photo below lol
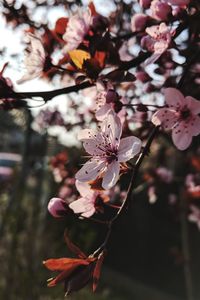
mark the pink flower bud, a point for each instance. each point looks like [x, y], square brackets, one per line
[111, 96]
[181, 3]
[138, 22]
[57, 207]
[145, 3]
[160, 10]
[142, 76]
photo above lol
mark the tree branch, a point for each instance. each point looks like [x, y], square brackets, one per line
[134, 174]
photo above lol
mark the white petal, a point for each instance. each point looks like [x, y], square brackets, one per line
[83, 206]
[102, 112]
[86, 134]
[128, 148]
[90, 170]
[111, 175]
[112, 128]
[84, 188]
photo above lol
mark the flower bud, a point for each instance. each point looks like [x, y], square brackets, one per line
[160, 10]
[145, 3]
[57, 207]
[138, 22]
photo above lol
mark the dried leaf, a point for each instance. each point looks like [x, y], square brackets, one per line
[61, 264]
[72, 247]
[61, 25]
[97, 270]
[78, 57]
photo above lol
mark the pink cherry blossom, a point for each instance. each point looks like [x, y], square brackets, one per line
[181, 116]
[57, 207]
[107, 151]
[107, 100]
[194, 216]
[77, 28]
[160, 10]
[181, 3]
[35, 60]
[164, 174]
[145, 3]
[157, 41]
[138, 22]
[85, 206]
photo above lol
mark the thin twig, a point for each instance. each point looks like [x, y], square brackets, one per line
[134, 174]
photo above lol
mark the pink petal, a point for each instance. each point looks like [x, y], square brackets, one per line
[56, 207]
[91, 139]
[83, 206]
[174, 97]
[92, 147]
[195, 124]
[181, 136]
[86, 134]
[111, 175]
[193, 105]
[90, 170]
[152, 59]
[168, 118]
[128, 148]
[102, 112]
[161, 46]
[112, 128]
[84, 188]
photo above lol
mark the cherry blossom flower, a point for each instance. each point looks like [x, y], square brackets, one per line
[138, 22]
[181, 116]
[160, 10]
[107, 100]
[107, 151]
[77, 27]
[36, 61]
[57, 207]
[193, 185]
[145, 3]
[164, 174]
[181, 3]
[157, 41]
[194, 216]
[85, 206]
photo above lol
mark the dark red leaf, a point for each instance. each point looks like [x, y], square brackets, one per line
[97, 270]
[73, 248]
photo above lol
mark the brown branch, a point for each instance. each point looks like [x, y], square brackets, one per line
[46, 96]
[134, 174]
[126, 65]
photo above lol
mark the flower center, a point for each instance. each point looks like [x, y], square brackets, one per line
[111, 155]
[185, 114]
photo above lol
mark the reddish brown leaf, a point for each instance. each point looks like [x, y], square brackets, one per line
[100, 56]
[92, 8]
[73, 248]
[61, 264]
[97, 270]
[61, 25]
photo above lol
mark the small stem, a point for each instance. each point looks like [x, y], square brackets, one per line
[51, 94]
[134, 174]
[150, 105]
